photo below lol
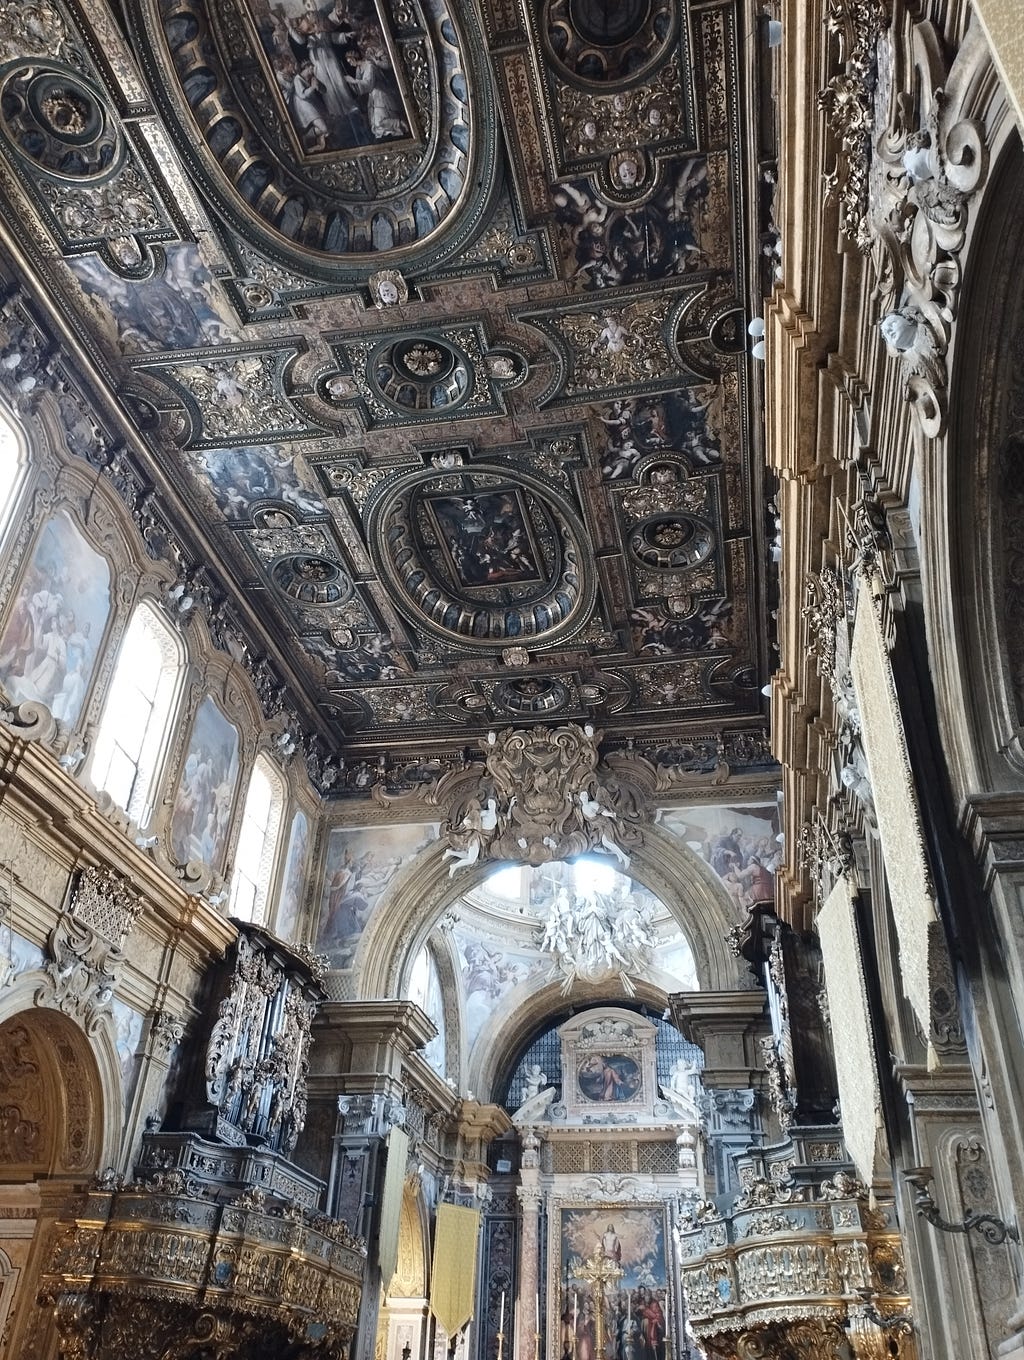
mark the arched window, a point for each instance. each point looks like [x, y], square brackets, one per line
[257, 842]
[13, 465]
[425, 990]
[137, 714]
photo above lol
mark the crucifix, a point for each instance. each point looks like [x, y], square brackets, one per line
[599, 1271]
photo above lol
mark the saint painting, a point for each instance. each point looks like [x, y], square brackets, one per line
[614, 1295]
[334, 70]
[49, 643]
[487, 536]
[610, 1078]
[206, 791]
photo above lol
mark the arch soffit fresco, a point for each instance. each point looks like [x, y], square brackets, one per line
[404, 919]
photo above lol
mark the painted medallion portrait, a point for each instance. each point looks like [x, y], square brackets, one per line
[610, 1078]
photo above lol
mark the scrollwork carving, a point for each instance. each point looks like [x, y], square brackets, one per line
[541, 799]
[85, 947]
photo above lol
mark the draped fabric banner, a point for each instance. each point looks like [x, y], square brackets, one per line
[453, 1276]
[896, 807]
[391, 1203]
[860, 1099]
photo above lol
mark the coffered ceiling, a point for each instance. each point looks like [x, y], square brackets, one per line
[432, 318]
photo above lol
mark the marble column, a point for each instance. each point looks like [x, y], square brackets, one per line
[530, 1197]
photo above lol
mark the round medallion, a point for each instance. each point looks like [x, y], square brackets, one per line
[531, 696]
[479, 557]
[311, 580]
[421, 374]
[606, 41]
[59, 123]
[672, 542]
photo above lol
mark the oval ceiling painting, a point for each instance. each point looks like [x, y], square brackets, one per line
[338, 129]
[482, 559]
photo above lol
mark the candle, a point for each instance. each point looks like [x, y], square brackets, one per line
[501, 1323]
[575, 1308]
[536, 1315]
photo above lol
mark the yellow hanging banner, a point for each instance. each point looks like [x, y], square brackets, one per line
[391, 1203]
[453, 1276]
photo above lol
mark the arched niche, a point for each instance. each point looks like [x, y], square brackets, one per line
[972, 553]
[419, 896]
[60, 1096]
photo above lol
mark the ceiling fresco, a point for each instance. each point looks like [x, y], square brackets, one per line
[432, 317]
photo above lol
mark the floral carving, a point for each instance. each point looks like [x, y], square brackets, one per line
[848, 104]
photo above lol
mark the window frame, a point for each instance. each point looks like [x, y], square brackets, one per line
[263, 882]
[165, 702]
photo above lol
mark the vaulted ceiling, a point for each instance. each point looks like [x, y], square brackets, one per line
[432, 319]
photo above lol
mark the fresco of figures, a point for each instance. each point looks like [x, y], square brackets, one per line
[293, 877]
[241, 477]
[50, 640]
[669, 234]
[636, 1310]
[333, 69]
[659, 632]
[684, 422]
[361, 863]
[739, 843]
[488, 537]
[488, 975]
[491, 970]
[205, 795]
[180, 307]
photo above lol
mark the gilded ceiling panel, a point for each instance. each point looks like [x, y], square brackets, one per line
[436, 317]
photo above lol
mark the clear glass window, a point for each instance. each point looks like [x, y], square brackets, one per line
[137, 714]
[257, 843]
